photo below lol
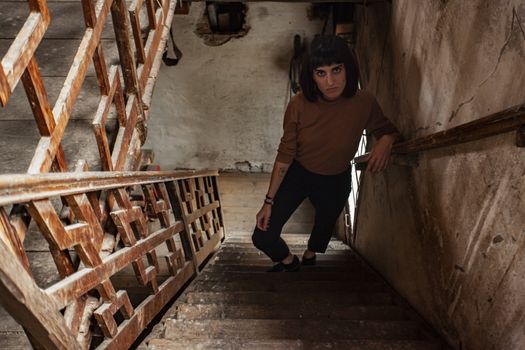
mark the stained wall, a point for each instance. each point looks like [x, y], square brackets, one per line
[448, 230]
[222, 106]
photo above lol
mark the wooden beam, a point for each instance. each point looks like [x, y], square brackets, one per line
[47, 146]
[9, 236]
[507, 120]
[25, 188]
[510, 119]
[37, 95]
[20, 52]
[202, 211]
[32, 308]
[90, 18]
[147, 310]
[357, 2]
[151, 77]
[122, 143]
[134, 15]
[101, 116]
[119, 15]
[208, 248]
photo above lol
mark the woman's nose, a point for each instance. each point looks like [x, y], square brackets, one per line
[329, 79]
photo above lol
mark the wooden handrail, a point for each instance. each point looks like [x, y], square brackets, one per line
[21, 188]
[497, 123]
[112, 220]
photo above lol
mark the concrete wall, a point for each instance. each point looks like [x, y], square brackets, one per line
[451, 235]
[222, 107]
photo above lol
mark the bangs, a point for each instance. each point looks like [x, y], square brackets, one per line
[326, 57]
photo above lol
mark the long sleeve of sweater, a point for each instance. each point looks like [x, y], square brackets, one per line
[288, 146]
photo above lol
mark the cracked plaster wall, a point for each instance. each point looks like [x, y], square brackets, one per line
[222, 106]
[451, 238]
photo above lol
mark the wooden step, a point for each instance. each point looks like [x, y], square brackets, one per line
[331, 311]
[302, 275]
[360, 344]
[274, 299]
[261, 267]
[341, 257]
[297, 249]
[234, 238]
[298, 244]
[249, 329]
[268, 263]
[294, 287]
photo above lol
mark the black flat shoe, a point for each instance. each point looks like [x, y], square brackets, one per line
[294, 266]
[308, 261]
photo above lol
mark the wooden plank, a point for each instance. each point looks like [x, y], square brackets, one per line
[150, 8]
[20, 52]
[18, 107]
[147, 310]
[101, 115]
[47, 147]
[12, 240]
[78, 143]
[157, 59]
[120, 25]
[36, 93]
[56, 56]
[497, 123]
[90, 18]
[152, 44]
[86, 279]
[202, 211]
[41, 7]
[25, 188]
[32, 308]
[134, 16]
[209, 247]
[122, 143]
[13, 15]
[357, 2]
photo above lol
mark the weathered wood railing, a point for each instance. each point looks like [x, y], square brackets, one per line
[510, 119]
[109, 220]
[131, 99]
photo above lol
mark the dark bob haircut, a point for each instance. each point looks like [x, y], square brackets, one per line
[324, 51]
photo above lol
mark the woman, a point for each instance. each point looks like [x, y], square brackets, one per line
[322, 128]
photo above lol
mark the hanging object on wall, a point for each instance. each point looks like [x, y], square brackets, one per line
[295, 63]
[172, 54]
[226, 17]
[182, 7]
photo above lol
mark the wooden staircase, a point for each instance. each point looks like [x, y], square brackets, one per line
[234, 304]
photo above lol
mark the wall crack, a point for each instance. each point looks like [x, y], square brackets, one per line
[516, 21]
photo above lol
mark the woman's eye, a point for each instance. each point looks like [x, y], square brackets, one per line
[337, 70]
[320, 73]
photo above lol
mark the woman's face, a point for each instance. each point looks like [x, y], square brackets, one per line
[331, 80]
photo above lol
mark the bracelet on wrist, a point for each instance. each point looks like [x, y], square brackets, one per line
[268, 201]
[268, 197]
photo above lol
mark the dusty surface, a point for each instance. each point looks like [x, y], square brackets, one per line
[234, 304]
[222, 107]
[450, 238]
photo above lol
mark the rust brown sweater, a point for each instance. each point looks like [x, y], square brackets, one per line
[324, 135]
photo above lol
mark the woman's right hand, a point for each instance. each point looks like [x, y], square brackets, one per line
[263, 217]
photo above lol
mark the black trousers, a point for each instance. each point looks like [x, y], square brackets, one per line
[328, 194]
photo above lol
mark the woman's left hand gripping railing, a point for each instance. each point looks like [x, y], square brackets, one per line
[99, 229]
